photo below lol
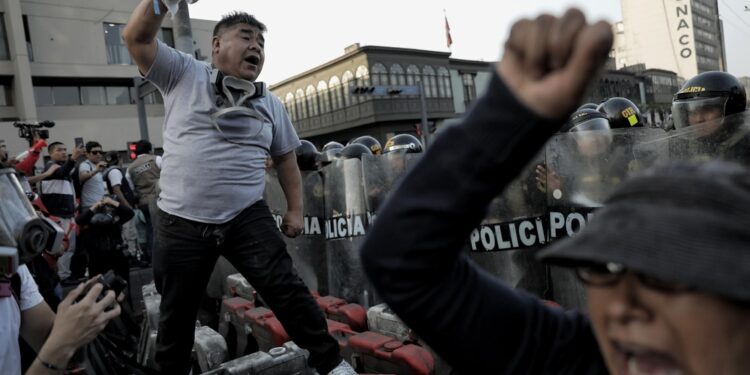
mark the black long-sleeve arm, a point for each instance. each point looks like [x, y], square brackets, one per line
[122, 211]
[413, 254]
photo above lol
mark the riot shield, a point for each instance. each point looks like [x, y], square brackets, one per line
[346, 223]
[583, 169]
[308, 249]
[381, 173]
[722, 139]
[505, 241]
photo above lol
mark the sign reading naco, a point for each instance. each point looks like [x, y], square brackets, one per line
[680, 22]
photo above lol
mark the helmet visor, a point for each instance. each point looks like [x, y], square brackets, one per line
[15, 210]
[704, 112]
[592, 124]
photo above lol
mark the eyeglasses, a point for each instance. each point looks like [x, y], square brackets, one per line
[96, 152]
[609, 274]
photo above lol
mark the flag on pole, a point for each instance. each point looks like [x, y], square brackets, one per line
[448, 39]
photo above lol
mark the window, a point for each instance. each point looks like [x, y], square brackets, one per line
[289, 102]
[397, 75]
[430, 82]
[379, 75]
[704, 34]
[300, 104]
[28, 37]
[323, 97]
[702, 21]
[117, 53]
[444, 83]
[66, 95]
[93, 95]
[118, 95]
[4, 53]
[706, 47]
[470, 92]
[6, 96]
[412, 75]
[43, 95]
[312, 100]
[90, 95]
[334, 87]
[362, 75]
[347, 83]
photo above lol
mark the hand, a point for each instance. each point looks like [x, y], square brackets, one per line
[109, 201]
[546, 181]
[51, 170]
[101, 166]
[78, 323]
[548, 62]
[77, 152]
[292, 224]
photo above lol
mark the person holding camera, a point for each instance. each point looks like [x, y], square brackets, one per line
[102, 223]
[23, 312]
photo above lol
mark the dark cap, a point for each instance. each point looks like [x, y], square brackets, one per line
[684, 222]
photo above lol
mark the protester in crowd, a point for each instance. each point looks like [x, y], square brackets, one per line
[92, 190]
[90, 175]
[58, 195]
[212, 185]
[103, 224]
[144, 173]
[665, 260]
[23, 312]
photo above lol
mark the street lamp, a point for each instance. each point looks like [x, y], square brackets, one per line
[400, 90]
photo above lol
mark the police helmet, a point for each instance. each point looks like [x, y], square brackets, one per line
[369, 142]
[708, 96]
[332, 145]
[355, 151]
[307, 156]
[587, 106]
[584, 120]
[621, 113]
[403, 142]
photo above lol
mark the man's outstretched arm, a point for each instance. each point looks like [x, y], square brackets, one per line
[140, 33]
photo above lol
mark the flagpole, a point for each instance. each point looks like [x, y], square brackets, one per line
[448, 38]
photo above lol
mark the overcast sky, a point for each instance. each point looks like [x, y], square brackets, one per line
[303, 34]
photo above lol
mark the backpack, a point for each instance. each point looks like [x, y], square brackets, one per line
[75, 177]
[125, 187]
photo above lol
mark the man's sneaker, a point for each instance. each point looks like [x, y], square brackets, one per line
[343, 369]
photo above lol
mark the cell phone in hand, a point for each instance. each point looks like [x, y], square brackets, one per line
[79, 142]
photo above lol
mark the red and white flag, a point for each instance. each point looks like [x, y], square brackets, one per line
[448, 39]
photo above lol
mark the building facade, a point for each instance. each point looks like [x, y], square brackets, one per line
[64, 60]
[683, 36]
[745, 81]
[324, 108]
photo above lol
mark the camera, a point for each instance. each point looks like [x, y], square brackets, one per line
[105, 214]
[27, 130]
[110, 281]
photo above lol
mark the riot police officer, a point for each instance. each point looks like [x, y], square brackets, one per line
[621, 113]
[710, 105]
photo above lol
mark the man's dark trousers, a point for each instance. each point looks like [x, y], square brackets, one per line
[184, 257]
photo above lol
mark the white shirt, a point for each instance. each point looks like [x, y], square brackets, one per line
[10, 322]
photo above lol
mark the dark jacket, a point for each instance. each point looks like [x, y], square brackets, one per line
[413, 254]
[57, 193]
